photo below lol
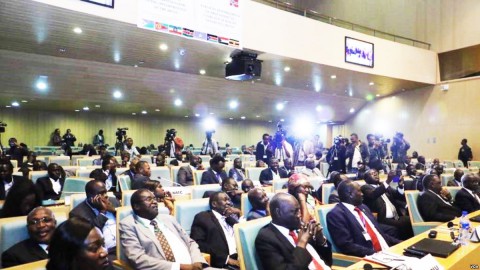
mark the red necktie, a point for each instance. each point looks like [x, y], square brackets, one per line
[295, 239]
[373, 236]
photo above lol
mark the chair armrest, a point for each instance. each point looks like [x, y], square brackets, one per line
[119, 264]
[206, 256]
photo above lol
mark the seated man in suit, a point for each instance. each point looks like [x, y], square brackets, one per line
[41, 225]
[336, 178]
[185, 173]
[273, 172]
[432, 205]
[132, 171]
[467, 198]
[457, 179]
[51, 186]
[7, 179]
[213, 231]
[100, 211]
[389, 203]
[310, 170]
[152, 241]
[237, 172]
[286, 243]
[259, 201]
[107, 173]
[352, 226]
[247, 185]
[142, 175]
[215, 174]
[102, 151]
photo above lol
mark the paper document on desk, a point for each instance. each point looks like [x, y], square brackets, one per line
[393, 260]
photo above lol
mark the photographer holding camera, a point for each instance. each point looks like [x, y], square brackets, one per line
[281, 148]
[375, 149]
[210, 145]
[173, 144]
[399, 148]
[336, 156]
[357, 151]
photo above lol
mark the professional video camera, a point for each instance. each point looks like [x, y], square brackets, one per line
[171, 133]
[2, 127]
[338, 140]
[121, 133]
[279, 135]
[380, 138]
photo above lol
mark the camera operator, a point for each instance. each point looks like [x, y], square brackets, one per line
[209, 146]
[121, 135]
[399, 148]
[173, 144]
[281, 148]
[375, 149]
[336, 156]
[131, 149]
[357, 151]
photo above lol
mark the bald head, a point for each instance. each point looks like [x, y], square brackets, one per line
[349, 192]
[285, 211]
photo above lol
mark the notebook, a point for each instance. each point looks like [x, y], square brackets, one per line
[437, 248]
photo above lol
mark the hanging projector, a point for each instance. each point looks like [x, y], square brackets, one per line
[243, 67]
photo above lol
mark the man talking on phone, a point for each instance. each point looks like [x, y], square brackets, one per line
[387, 202]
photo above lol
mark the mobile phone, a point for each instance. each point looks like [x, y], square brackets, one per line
[396, 178]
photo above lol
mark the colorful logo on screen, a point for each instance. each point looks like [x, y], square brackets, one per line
[148, 24]
[200, 35]
[161, 27]
[188, 32]
[223, 40]
[176, 30]
[212, 38]
[234, 3]
[234, 43]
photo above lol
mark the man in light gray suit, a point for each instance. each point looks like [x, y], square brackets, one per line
[153, 241]
[185, 173]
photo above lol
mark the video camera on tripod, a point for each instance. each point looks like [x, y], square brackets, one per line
[279, 136]
[2, 127]
[121, 134]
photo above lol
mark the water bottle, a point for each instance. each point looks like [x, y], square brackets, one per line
[464, 231]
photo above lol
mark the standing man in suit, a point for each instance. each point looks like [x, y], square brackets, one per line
[465, 153]
[152, 241]
[107, 173]
[287, 244]
[357, 151]
[432, 206]
[41, 225]
[99, 210]
[7, 179]
[389, 203]
[352, 226]
[185, 173]
[467, 198]
[51, 186]
[99, 139]
[273, 172]
[143, 173]
[69, 138]
[215, 174]
[261, 152]
[457, 179]
[213, 231]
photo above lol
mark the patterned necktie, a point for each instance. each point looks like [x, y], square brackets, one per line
[373, 236]
[318, 266]
[163, 242]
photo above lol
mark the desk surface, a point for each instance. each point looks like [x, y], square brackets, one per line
[462, 258]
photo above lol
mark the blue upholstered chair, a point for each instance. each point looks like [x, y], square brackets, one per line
[60, 160]
[338, 258]
[416, 219]
[278, 184]
[124, 182]
[34, 175]
[74, 185]
[121, 262]
[245, 234]
[253, 173]
[161, 173]
[197, 177]
[185, 211]
[174, 173]
[199, 190]
[327, 189]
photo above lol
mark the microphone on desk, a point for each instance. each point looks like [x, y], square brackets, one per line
[450, 227]
[169, 181]
[368, 266]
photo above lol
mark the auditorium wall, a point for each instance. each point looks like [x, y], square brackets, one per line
[35, 127]
[433, 121]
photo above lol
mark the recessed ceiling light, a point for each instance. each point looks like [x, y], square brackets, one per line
[352, 110]
[242, 117]
[212, 113]
[24, 101]
[15, 104]
[97, 106]
[77, 30]
[233, 104]
[231, 118]
[157, 110]
[134, 113]
[378, 95]
[41, 85]
[178, 102]
[77, 110]
[186, 116]
[163, 47]
[371, 83]
[8, 106]
[135, 65]
[286, 69]
[333, 77]
[197, 115]
[144, 112]
[318, 108]
[258, 116]
[280, 106]
[86, 108]
[202, 71]
[282, 120]
[117, 94]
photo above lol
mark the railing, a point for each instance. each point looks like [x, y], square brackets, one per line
[344, 24]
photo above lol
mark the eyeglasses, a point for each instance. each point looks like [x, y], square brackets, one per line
[38, 221]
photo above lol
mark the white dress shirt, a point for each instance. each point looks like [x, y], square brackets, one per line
[285, 232]
[276, 176]
[7, 186]
[56, 185]
[473, 195]
[177, 245]
[390, 207]
[228, 232]
[350, 207]
[357, 156]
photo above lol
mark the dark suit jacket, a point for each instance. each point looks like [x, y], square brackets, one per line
[98, 174]
[372, 198]
[432, 208]
[23, 252]
[236, 175]
[452, 183]
[276, 252]
[260, 152]
[185, 176]
[139, 181]
[210, 177]
[208, 233]
[46, 188]
[83, 210]
[2, 186]
[347, 234]
[466, 202]
[266, 176]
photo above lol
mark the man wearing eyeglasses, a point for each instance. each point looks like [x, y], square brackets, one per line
[41, 225]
